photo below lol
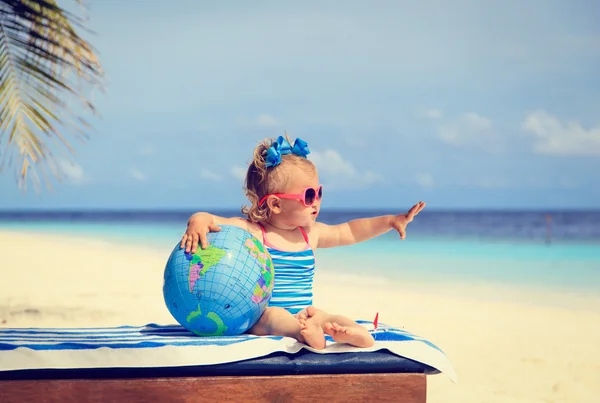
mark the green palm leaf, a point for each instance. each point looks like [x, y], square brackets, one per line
[44, 66]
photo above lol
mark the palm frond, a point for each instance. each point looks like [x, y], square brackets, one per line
[44, 66]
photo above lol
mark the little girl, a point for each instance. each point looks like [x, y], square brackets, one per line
[283, 188]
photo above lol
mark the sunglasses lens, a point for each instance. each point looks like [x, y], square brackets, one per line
[320, 192]
[309, 197]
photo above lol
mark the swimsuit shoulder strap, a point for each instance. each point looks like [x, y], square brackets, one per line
[305, 235]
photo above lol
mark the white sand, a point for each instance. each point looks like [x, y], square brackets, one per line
[515, 351]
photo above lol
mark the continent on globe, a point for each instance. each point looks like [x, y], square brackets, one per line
[220, 325]
[201, 261]
[264, 285]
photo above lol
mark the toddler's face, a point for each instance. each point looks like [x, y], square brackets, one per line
[294, 212]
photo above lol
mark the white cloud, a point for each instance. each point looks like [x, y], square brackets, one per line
[425, 180]
[206, 174]
[471, 130]
[430, 113]
[72, 171]
[238, 172]
[137, 174]
[263, 121]
[341, 172]
[332, 163]
[464, 129]
[266, 120]
[561, 138]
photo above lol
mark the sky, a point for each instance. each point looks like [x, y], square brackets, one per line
[465, 104]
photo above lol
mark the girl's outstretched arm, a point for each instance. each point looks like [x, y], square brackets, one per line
[363, 229]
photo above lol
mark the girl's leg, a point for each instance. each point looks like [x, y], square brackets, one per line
[340, 328]
[277, 321]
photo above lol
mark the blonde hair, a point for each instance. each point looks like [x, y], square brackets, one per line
[262, 180]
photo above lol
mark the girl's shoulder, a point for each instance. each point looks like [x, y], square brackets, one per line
[254, 228]
[242, 223]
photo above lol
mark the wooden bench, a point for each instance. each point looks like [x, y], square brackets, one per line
[302, 377]
[386, 387]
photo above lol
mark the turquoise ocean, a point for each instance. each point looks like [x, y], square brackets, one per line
[557, 250]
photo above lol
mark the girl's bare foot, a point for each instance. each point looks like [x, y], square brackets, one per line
[312, 333]
[357, 336]
[309, 312]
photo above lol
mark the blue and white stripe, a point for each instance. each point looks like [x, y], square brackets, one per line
[160, 346]
[294, 272]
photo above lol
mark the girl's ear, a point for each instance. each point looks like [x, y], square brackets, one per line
[274, 204]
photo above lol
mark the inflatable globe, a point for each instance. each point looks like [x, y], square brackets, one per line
[220, 290]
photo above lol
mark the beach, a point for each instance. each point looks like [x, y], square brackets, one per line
[513, 345]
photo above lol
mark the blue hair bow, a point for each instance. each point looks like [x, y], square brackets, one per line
[283, 147]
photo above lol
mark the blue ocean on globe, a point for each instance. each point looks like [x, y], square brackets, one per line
[220, 290]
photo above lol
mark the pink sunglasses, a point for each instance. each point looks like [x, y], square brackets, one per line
[308, 197]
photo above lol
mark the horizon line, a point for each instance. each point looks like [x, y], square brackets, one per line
[336, 209]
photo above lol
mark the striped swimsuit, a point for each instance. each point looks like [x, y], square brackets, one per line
[294, 272]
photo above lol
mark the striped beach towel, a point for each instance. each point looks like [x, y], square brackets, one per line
[171, 346]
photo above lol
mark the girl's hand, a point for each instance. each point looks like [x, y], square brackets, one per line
[400, 221]
[198, 227]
